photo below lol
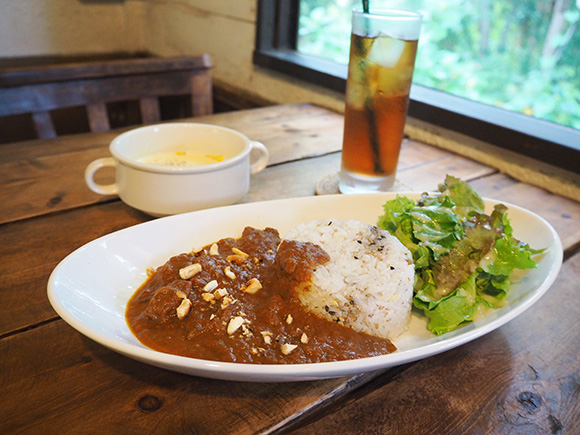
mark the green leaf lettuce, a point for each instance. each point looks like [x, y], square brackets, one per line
[463, 257]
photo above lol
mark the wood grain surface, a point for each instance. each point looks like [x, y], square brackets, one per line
[73, 385]
[522, 378]
[28, 261]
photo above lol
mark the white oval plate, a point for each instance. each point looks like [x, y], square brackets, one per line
[90, 288]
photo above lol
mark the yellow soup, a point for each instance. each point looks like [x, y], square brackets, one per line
[181, 158]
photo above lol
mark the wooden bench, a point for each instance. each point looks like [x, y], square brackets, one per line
[40, 90]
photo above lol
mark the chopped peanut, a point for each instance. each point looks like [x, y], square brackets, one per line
[208, 297]
[234, 324]
[238, 259]
[252, 286]
[220, 293]
[288, 348]
[189, 271]
[267, 335]
[183, 309]
[228, 272]
[210, 286]
[214, 250]
[238, 252]
[227, 301]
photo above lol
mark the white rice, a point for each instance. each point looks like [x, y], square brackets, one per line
[367, 284]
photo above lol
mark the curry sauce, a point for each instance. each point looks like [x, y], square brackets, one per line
[234, 301]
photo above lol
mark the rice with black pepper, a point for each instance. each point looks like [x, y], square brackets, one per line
[368, 282]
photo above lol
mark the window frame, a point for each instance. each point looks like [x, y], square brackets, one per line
[276, 36]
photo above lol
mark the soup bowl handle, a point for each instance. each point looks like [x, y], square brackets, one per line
[262, 161]
[92, 168]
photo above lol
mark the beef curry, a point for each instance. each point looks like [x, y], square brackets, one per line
[234, 301]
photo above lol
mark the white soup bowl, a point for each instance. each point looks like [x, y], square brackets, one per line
[162, 190]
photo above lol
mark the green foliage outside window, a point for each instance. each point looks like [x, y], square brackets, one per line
[522, 56]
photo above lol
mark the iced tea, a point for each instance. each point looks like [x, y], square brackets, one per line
[377, 98]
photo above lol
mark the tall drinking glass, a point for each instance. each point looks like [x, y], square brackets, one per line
[382, 58]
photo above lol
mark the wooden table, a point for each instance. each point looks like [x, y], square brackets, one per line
[522, 378]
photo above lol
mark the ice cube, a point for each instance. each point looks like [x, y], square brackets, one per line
[386, 51]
